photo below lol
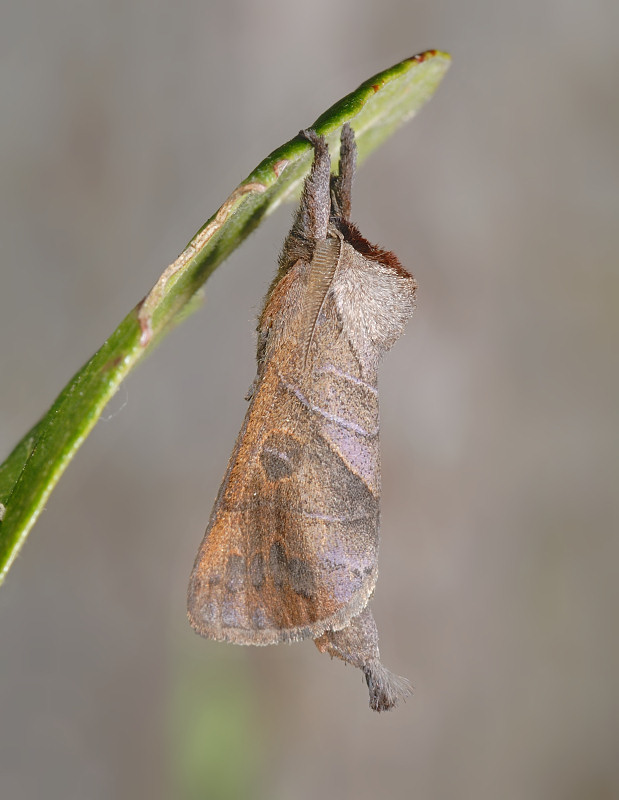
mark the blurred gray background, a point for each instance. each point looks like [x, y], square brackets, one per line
[123, 126]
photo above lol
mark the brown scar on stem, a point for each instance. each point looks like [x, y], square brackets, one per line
[420, 57]
[146, 306]
[115, 362]
[280, 166]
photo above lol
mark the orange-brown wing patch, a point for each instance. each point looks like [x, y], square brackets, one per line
[285, 555]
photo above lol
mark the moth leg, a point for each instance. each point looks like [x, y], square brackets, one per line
[357, 644]
[313, 216]
[341, 184]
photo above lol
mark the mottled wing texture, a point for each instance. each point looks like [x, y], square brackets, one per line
[291, 547]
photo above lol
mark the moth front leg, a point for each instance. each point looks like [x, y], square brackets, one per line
[357, 644]
[341, 184]
[313, 216]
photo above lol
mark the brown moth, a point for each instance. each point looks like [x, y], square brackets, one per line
[291, 547]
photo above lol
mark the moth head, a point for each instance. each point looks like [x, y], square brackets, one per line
[374, 294]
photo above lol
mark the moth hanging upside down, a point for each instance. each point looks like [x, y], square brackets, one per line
[291, 548]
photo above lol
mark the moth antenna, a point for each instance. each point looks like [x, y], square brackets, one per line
[386, 689]
[322, 271]
[313, 221]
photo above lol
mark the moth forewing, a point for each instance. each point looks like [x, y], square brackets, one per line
[291, 547]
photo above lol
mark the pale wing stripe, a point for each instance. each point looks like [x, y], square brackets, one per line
[352, 378]
[342, 423]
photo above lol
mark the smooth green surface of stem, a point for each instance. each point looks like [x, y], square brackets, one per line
[31, 471]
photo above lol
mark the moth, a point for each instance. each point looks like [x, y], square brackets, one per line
[291, 548]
